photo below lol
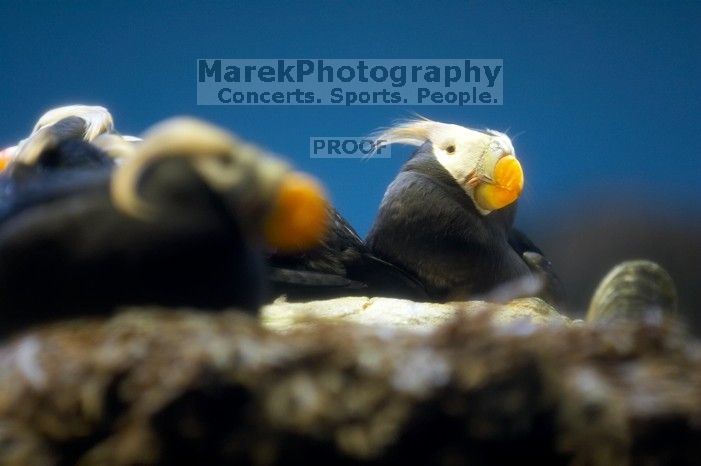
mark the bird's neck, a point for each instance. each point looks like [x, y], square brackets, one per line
[424, 163]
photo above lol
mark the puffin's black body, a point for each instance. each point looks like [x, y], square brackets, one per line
[66, 165]
[552, 289]
[66, 250]
[429, 226]
[341, 266]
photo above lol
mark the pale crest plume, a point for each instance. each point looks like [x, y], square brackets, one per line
[97, 119]
[417, 131]
[413, 132]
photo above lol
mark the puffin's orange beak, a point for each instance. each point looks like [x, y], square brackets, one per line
[298, 219]
[507, 186]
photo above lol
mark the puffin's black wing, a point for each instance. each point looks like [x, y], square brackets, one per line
[46, 187]
[522, 243]
[340, 266]
[553, 291]
[387, 280]
[61, 169]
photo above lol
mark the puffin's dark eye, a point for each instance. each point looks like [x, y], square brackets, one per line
[450, 149]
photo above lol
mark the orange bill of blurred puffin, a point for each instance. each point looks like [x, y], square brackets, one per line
[298, 217]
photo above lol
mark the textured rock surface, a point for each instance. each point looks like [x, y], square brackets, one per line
[400, 313]
[169, 388]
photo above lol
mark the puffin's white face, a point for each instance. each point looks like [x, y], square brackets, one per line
[482, 163]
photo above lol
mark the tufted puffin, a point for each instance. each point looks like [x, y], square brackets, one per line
[448, 216]
[183, 222]
[57, 141]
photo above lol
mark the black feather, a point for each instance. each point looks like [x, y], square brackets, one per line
[340, 266]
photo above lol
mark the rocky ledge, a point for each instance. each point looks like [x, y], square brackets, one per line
[347, 382]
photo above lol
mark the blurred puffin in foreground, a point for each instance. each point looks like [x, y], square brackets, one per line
[447, 218]
[182, 222]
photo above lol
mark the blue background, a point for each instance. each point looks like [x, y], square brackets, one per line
[601, 98]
